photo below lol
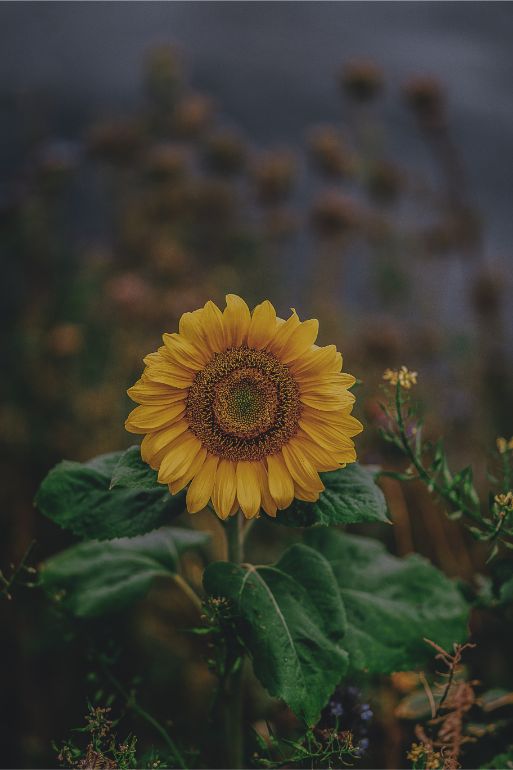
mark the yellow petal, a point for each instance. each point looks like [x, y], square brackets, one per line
[155, 441]
[148, 418]
[262, 326]
[327, 402]
[340, 419]
[300, 468]
[179, 457]
[154, 393]
[184, 352]
[248, 488]
[191, 327]
[194, 468]
[200, 489]
[236, 320]
[213, 327]
[317, 362]
[322, 459]
[267, 501]
[300, 340]
[326, 435]
[281, 485]
[305, 494]
[235, 507]
[152, 358]
[340, 381]
[283, 334]
[225, 488]
[165, 373]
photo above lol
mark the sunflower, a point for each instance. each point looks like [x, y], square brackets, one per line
[245, 409]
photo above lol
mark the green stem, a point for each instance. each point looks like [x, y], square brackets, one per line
[8, 583]
[445, 494]
[131, 703]
[189, 592]
[506, 468]
[235, 538]
[234, 703]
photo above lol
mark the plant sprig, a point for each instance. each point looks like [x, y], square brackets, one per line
[18, 576]
[317, 748]
[429, 464]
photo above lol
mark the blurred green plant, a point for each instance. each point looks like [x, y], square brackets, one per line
[304, 622]
[428, 463]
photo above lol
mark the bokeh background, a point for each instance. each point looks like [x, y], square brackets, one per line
[351, 160]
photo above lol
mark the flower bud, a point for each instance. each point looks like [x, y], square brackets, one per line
[225, 153]
[425, 97]
[329, 153]
[192, 116]
[274, 175]
[334, 214]
[361, 80]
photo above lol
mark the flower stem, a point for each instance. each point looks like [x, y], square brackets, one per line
[189, 592]
[132, 703]
[444, 493]
[234, 704]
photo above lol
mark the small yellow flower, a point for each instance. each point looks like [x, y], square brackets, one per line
[403, 376]
[244, 408]
[504, 445]
[419, 751]
[505, 501]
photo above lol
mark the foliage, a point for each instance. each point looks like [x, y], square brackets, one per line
[316, 749]
[391, 603]
[292, 624]
[21, 574]
[94, 578]
[350, 497]
[323, 609]
[303, 634]
[130, 472]
[78, 497]
[501, 761]
[492, 523]
[457, 717]
[336, 604]
[101, 748]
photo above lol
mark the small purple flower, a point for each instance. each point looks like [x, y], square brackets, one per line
[336, 708]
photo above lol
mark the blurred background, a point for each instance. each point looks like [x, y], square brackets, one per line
[351, 160]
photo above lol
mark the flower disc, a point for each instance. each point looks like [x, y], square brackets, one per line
[244, 408]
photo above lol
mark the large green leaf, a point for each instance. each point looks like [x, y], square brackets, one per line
[292, 622]
[78, 497]
[97, 577]
[131, 471]
[392, 604]
[351, 496]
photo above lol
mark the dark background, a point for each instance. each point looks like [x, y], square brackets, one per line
[101, 252]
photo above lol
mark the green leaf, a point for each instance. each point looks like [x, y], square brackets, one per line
[98, 577]
[351, 496]
[392, 604]
[501, 761]
[77, 496]
[132, 472]
[291, 620]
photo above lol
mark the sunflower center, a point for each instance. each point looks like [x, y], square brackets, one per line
[244, 405]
